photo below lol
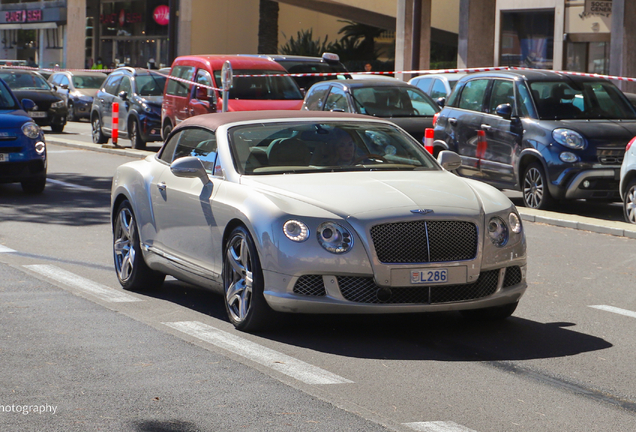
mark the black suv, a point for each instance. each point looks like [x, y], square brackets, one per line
[139, 93]
[550, 135]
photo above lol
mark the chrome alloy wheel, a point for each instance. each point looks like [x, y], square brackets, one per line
[533, 188]
[97, 130]
[124, 244]
[239, 281]
[630, 204]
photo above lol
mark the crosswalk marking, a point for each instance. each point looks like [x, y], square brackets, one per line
[437, 426]
[615, 310]
[4, 249]
[265, 356]
[83, 284]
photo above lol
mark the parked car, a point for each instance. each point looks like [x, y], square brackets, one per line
[244, 204]
[628, 182]
[22, 145]
[50, 108]
[437, 86]
[404, 104]
[329, 63]
[78, 90]
[139, 93]
[182, 100]
[550, 135]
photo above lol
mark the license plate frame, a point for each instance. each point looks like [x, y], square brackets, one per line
[37, 114]
[432, 276]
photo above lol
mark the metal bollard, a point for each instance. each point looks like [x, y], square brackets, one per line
[115, 123]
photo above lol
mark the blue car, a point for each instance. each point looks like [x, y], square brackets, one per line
[22, 146]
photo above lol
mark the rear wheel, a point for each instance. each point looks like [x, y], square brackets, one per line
[629, 203]
[134, 133]
[166, 131]
[132, 271]
[98, 135]
[243, 283]
[535, 188]
[34, 186]
[495, 313]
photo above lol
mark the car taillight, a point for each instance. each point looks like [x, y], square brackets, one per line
[629, 144]
[435, 118]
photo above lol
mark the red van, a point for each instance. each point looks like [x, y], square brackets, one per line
[181, 100]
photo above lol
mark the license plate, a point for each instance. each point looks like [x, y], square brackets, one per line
[432, 276]
[37, 114]
[4, 157]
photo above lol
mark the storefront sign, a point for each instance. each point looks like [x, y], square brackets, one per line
[597, 8]
[120, 18]
[161, 15]
[23, 16]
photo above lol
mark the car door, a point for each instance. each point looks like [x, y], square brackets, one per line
[64, 88]
[466, 121]
[184, 216]
[337, 100]
[423, 84]
[438, 89]
[503, 135]
[179, 92]
[124, 105]
[202, 100]
[106, 100]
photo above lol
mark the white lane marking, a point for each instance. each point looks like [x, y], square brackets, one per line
[437, 426]
[64, 151]
[86, 285]
[4, 249]
[615, 310]
[267, 357]
[72, 186]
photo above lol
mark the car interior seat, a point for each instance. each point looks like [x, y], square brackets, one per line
[288, 152]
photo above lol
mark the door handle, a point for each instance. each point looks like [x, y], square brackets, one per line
[452, 121]
[486, 126]
[161, 186]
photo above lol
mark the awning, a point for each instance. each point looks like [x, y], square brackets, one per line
[29, 26]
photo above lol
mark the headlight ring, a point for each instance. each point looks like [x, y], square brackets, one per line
[296, 231]
[497, 231]
[334, 238]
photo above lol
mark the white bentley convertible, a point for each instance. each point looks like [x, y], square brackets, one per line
[308, 212]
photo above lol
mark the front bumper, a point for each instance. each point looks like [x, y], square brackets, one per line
[334, 294]
[82, 108]
[150, 128]
[595, 183]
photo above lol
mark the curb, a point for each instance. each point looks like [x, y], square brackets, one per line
[620, 229]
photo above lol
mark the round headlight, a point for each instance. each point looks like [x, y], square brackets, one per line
[31, 130]
[569, 138]
[497, 231]
[568, 157]
[334, 238]
[40, 147]
[296, 231]
[515, 223]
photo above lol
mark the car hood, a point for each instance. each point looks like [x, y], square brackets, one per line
[87, 92]
[37, 95]
[155, 100]
[13, 119]
[260, 105]
[606, 133]
[359, 193]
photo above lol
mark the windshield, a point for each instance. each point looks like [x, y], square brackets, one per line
[150, 85]
[24, 81]
[88, 81]
[385, 101]
[6, 100]
[303, 147]
[262, 87]
[580, 100]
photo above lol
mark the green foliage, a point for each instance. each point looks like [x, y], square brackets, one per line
[305, 45]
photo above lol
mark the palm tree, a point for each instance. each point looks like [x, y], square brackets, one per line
[366, 34]
[268, 27]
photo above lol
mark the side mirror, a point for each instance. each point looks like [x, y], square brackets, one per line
[202, 94]
[64, 86]
[449, 160]
[441, 102]
[28, 104]
[504, 110]
[189, 167]
[123, 95]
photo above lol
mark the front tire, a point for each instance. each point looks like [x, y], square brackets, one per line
[57, 128]
[134, 133]
[132, 271]
[535, 190]
[98, 135]
[629, 203]
[243, 283]
[496, 313]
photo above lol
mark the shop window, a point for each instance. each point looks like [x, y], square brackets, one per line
[527, 39]
[592, 57]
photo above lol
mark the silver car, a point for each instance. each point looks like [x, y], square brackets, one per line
[628, 182]
[315, 212]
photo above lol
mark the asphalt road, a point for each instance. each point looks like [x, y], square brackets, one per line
[169, 361]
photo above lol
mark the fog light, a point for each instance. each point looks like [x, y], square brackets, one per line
[568, 157]
[40, 147]
[586, 184]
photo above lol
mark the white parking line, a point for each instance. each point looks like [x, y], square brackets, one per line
[615, 310]
[87, 285]
[4, 249]
[438, 426]
[72, 186]
[267, 357]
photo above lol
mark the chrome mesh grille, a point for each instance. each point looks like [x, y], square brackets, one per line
[513, 276]
[364, 290]
[411, 242]
[310, 285]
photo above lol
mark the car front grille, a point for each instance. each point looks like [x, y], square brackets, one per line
[310, 285]
[364, 290]
[10, 149]
[425, 241]
[610, 156]
[513, 276]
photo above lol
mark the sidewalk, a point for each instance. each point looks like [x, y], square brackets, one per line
[621, 229]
